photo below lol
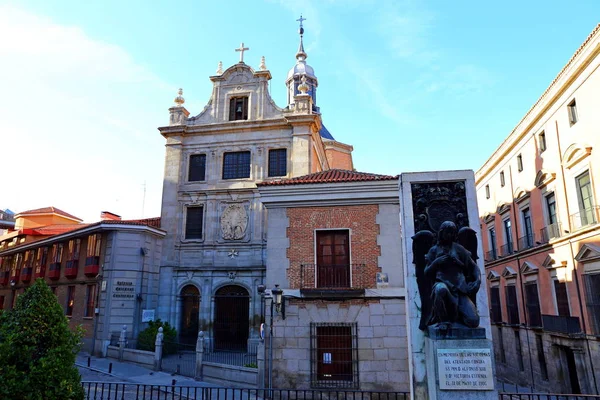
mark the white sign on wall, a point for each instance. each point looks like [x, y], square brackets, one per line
[465, 369]
[147, 315]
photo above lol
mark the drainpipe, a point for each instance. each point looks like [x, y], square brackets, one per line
[514, 212]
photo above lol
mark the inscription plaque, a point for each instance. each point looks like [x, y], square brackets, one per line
[465, 369]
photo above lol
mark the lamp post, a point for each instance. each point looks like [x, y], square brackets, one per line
[12, 287]
[277, 305]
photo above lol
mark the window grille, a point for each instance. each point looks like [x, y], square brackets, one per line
[334, 355]
[236, 165]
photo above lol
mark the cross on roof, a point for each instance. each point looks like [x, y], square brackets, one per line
[241, 50]
[301, 19]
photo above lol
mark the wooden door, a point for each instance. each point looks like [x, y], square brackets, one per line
[333, 259]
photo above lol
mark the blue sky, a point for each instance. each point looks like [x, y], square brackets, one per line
[412, 85]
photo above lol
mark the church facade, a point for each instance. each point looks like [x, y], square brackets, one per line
[214, 254]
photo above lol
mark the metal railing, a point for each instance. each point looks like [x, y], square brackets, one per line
[323, 276]
[551, 231]
[179, 358]
[561, 324]
[233, 357]
[490, 255]
[109, 391]
[506, 249]
[585, 217]
[525, 242]
[546, 396]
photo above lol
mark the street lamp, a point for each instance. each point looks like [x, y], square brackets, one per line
[277, 298]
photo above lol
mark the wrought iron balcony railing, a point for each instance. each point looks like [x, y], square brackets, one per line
[506, 249]
[324, 276]
[561, 324]
[551, 231]
[491, 255]
[584, 217]
[525, 242]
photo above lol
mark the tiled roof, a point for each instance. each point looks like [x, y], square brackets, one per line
[48, 210]
[56, 229]
[153, 222]
[331, 176]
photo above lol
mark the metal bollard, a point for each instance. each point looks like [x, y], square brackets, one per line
[89, 361]
[173, 382]
[110, 368]
[178, 371]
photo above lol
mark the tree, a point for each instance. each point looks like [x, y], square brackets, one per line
[147, 337]
[37, 349]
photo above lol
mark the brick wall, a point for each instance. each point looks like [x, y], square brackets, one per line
[360, 220]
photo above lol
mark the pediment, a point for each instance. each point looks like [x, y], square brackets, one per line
[493, 276]
[589, 252]
[503, 208]
[509, 272]
[543, 177]
[521, 195]
[489, 218]
[529, 268]
[575, 153]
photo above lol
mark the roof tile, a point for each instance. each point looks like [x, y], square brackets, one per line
[330, 176]
[47, 210]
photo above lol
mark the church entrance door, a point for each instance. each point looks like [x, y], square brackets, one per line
[190, 309]
[232, 313]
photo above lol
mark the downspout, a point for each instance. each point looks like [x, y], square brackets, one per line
[514, 212]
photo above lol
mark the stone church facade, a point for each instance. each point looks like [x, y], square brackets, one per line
[214, 254]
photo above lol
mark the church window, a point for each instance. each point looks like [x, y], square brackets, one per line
[193, 222]
[572, 108]
[238, 108]
[277, 162]
[502, 181]
[542, 141]
[520, 162]
[197, 168]
[487, 191]
[334, 355]
[236, 165]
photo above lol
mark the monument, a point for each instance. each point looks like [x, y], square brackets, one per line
[451, 352]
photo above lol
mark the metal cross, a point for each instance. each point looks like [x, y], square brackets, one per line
[301, 19]
[241, 50]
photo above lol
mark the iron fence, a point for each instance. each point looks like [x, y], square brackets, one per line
[490, 255]
[130, 391]
[550, 232]
[525, 242]
[233, 357]
[506, 249]
[585, 217]
[546, 396]
[561, 324]
[179, 358]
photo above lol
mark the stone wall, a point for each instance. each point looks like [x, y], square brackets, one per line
[381, 338]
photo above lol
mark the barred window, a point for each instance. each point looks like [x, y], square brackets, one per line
[496, 310]
[193, 222]
[334, 355]
[512, 307]
[197, 168]
[277, 162]
[236, 165]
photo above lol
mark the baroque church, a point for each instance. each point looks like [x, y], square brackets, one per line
[214, 253]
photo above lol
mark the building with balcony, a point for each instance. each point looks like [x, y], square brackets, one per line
[537, 196]
[333, 245]
[104, 274]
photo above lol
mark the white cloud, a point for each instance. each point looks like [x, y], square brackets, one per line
[78, 122]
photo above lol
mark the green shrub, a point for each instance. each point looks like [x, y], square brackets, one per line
[147, 338]
[37, 352]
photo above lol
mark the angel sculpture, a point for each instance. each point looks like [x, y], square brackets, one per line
[447, 276]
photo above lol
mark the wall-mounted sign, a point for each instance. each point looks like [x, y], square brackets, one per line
[103, 287]
[147, 315]
[124, 290]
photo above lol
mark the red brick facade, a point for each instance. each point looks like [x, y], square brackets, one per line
[359, 220]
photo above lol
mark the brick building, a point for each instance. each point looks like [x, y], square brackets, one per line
[333, 245]
[83, 264]
[537, 198]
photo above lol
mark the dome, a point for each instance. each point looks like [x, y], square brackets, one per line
[301, 68]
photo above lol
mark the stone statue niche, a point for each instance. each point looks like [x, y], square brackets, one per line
[445, 258]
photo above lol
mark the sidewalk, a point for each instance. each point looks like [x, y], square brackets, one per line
[134, 373]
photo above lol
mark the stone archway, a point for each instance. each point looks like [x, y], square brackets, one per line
[231, 321]
[190, 309]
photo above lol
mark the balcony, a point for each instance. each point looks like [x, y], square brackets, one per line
[26, 274]
[40, 271]
[551, 231]
[506, 250]
[92, 266]
[54, 271]
[318, 280]
[525, 242]
[71, 268]
[4, 277]
[561, 324]
[490, 255]
[585, 217]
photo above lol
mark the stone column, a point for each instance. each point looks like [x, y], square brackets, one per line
[260, 360]
[158, 346]
[122, 341]
[199, 355]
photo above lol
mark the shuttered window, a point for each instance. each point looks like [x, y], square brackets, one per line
[512, 307]
[592, 300]
[532, 301]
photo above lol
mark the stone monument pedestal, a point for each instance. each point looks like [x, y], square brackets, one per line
[460, 364]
